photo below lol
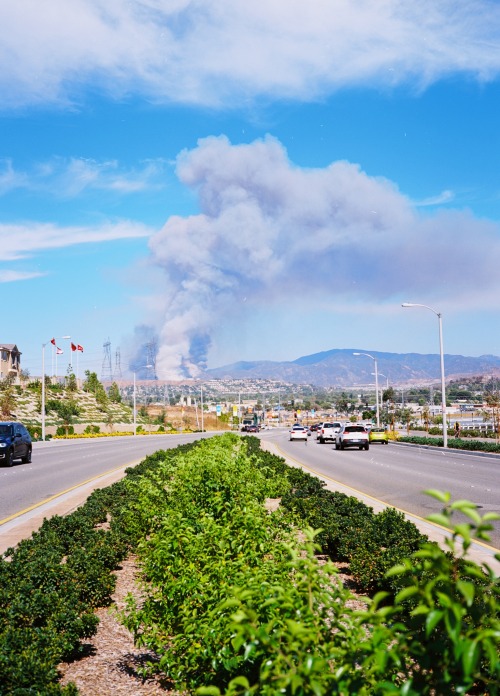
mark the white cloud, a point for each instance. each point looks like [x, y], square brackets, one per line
[204, 51]
[68, 178]
[269, 232]
[19, 241]
[10, 179]
[9, 276]
[443, 197]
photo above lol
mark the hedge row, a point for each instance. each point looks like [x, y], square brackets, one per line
[453, 443]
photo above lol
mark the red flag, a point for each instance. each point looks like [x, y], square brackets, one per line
[59, 351]
[79, 347]
[73, 347]
[53, 341]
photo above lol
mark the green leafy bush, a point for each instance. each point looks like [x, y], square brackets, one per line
[453, 443]
[445, 620]
[61, 430]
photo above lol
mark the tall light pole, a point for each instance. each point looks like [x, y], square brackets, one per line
[135, 410]
[376, 383]
[43, 381]
[441, 356]
[201, 404]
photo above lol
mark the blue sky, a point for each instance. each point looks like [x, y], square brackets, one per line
[237, 183]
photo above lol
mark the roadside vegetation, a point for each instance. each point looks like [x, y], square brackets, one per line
[238, 600]
[471, 445]
[91, 410]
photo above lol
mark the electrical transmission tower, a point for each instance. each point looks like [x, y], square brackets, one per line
[118, 366]
[106, 370]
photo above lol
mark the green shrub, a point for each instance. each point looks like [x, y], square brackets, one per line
[453, 443]
[447, 627]
[61, 430]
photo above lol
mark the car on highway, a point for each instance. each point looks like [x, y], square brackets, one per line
[298, 432]
[15, 443]
[328, 431]
[352, 436]
[378, 435]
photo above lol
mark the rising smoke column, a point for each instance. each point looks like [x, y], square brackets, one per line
[268, 230]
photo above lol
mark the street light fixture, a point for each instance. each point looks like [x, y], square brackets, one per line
[376, 383]
[441, 356]
[135, 410]
[381, 374]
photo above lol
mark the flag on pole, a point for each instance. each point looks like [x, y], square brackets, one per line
[59, 351]
[80, 348]
[53, 341]
[73, 347]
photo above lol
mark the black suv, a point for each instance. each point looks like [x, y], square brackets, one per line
[15, 442]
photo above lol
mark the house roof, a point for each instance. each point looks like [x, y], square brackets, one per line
[10, 346]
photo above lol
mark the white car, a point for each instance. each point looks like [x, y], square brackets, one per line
[298, 432]
[352, 436]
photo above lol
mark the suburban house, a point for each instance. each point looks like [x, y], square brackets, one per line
[10, 361]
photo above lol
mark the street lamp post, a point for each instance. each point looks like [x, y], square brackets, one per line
[441, 357]
[376, 383]
[135, 398]
[380, 374]
[43, 381]
[201, 403]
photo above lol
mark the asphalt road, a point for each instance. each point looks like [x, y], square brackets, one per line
[60, 465]
[397, 474]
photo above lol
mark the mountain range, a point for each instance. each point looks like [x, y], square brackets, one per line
[339, 367]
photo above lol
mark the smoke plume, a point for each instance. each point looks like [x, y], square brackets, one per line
[268, 230]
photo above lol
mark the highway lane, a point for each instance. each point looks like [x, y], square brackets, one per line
[60, 465]
[398, 475]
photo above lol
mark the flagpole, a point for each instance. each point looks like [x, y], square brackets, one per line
[43, 391]
[79, 349]
[53, 342]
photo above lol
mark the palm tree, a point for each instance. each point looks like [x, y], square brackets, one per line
[492, 400]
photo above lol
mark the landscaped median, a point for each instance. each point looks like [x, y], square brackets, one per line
[453, 443]
[237, 600]
[76, 436]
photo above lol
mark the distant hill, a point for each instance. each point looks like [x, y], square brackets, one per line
[340, 368]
